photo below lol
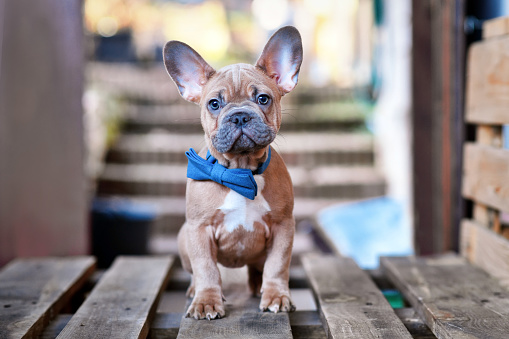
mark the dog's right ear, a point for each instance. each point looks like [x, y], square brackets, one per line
[187, 68]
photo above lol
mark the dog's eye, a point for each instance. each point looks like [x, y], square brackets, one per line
[214, 104]
[263, 99]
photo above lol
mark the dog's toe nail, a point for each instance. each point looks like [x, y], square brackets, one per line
[274, 308]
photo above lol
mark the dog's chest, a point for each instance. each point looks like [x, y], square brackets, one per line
[244, 229]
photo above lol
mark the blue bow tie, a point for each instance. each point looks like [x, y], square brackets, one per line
[241, 180]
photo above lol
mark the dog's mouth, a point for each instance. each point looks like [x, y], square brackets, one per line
[250, 136]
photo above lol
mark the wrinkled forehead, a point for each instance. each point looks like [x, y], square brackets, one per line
[239, 82]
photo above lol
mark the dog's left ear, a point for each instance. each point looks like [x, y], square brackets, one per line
[187, 69]
[281, 58]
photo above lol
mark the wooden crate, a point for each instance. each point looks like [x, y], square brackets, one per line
[486, 163]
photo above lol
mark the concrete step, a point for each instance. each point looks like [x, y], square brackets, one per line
[297, 149]
[150, 83]
[185, 118]
[355, 182]
[133, 83]
[171, 210]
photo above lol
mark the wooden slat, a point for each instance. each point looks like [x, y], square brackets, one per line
[495, 28]
[124, 301]
[486, 175]
[485, 249]
[487, 96]
[33, 291]
[351, 305]
[456, 299]
[243, 318]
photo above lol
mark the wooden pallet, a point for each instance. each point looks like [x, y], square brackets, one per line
[62, 298]
[486, 165]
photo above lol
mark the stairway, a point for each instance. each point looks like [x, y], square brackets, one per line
[324, 143]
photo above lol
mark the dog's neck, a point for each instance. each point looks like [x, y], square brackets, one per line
[249, 161]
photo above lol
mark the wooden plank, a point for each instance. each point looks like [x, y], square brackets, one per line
[437, 121]
[486, 175]
[495, 27]
[33, 291]
[487, 96]
[351, 306]
[423, 153]
[485, 249]
[456, 299]
[123, 303]
[243, 318]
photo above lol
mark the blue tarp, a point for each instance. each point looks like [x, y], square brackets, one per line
[368, 229]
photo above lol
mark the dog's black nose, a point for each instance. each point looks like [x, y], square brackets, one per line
[240, 118]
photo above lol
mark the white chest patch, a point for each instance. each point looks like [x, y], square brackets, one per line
[241, 211]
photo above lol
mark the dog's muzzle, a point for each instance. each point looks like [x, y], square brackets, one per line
[242, 130]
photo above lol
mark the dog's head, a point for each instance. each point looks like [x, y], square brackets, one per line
[240, 103]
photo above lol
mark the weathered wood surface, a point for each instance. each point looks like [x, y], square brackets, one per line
[124, 301]
[32, 291]
[243, 318]
[487, 93]
[456, 299]
[486, 249]
[486, 175]
[495, 27]
[351, 305]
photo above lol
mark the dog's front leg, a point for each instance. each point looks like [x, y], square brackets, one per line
[202, 251]
[276, 272]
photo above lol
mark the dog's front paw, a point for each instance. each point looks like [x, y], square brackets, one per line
[207, 304]
[275, 301]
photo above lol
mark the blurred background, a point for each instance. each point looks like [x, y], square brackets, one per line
[93, 131]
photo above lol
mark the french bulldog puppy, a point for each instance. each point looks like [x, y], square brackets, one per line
[239, 199]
